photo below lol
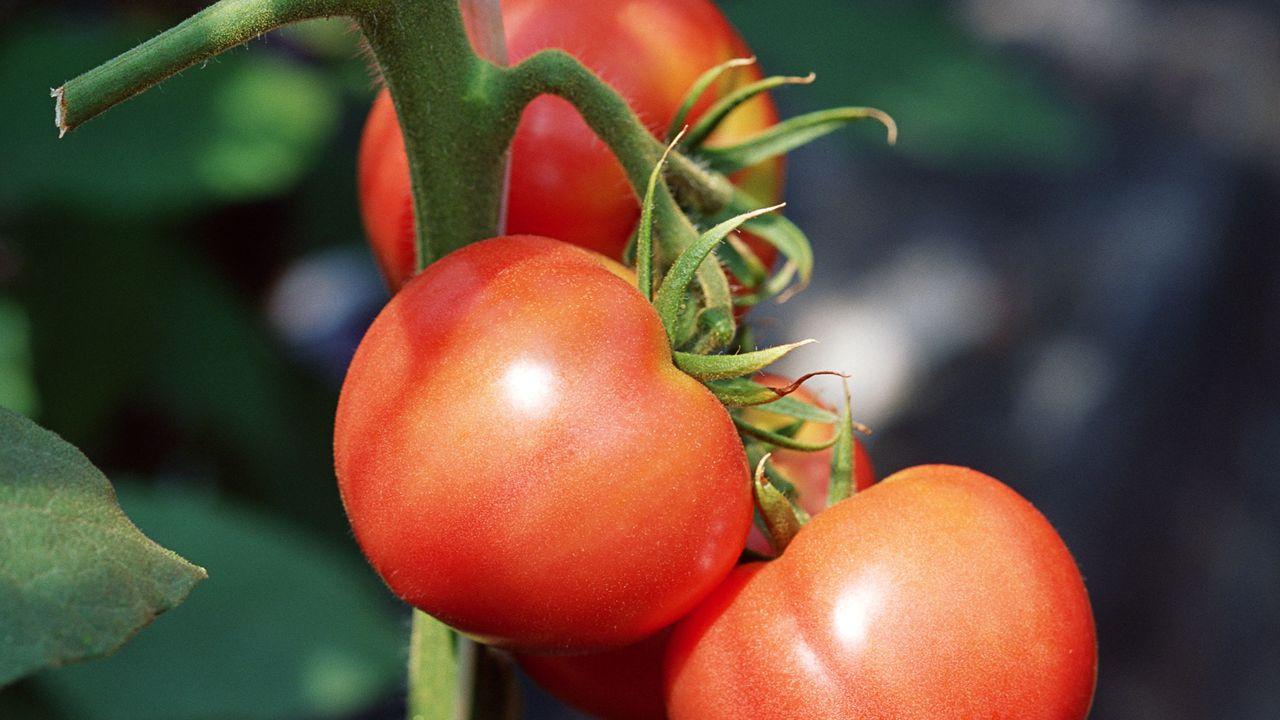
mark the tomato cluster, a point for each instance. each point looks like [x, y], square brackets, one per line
[521, 456]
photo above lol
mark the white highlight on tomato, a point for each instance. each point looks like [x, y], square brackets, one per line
[854, 612]
[529, 385]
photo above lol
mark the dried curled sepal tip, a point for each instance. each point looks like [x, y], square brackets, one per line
[794, 386]
[59, 110]
[779, 515]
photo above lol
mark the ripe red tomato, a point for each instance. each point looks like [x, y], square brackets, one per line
[519, 457]
[565, 183]
[809, 472]
[621, 684]
[937, 593]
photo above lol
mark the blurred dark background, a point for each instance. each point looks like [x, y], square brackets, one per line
[1067, 274]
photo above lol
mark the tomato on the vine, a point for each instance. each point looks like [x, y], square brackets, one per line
[808, 472]
[565, 183]
[620, 684]
[937, 593]
[519, 457]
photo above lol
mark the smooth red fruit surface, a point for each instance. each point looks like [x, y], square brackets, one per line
[621, 684]
[519, 457]
[808, 472]
[937, 593]
[565, 183]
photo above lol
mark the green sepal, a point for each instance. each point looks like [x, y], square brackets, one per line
[699, 87]
[793, 245]
[841, 485]
[715, 321]
[779, 514]
[742, 392]
[721, 367]
[739, 260]
[716, 114]
[675, 285]
[778, 438]
[716, 329]
[789, 135]
[757, 450]
[644, 233]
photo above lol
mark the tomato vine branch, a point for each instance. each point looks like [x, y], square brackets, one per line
[217, 28]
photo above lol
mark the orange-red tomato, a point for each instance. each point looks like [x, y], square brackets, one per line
[565, 183]
[621, 684]
[519, 457]
[937, 593]
[808, 472]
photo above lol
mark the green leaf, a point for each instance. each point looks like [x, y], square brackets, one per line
[675, 284]
[720, 367]
[290, 625]
[17, 380]
[789, 135]
[716, 114]
[77, 579]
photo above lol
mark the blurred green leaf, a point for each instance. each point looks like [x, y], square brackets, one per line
[77, 579]
[17, 384]
[955, 99]
[245, 125]
[287, 626]
[136, 319]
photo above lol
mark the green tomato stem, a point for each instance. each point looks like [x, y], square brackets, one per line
[455, 128]
[217, 28]
[555, 72]
[430, 680]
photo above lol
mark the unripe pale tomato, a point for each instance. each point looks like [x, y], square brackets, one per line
[937, 593]
[565, 183]
[808, 472]
[621, 684]
[519, 457]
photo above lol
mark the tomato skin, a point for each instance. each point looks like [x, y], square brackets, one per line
[937, 593]
[519, 458]
[808, 472]
[621, 684]
[565, 183]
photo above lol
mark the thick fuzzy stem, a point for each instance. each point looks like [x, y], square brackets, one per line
[555, 72]
[454, 126]
[219, 27]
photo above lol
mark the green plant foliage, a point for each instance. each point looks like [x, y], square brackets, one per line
[288, 626]
[77, 579]
[246, 126]
[957, 101]
[137, 318]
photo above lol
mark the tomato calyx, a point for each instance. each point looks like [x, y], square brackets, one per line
[749, 272]
[700, 333]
